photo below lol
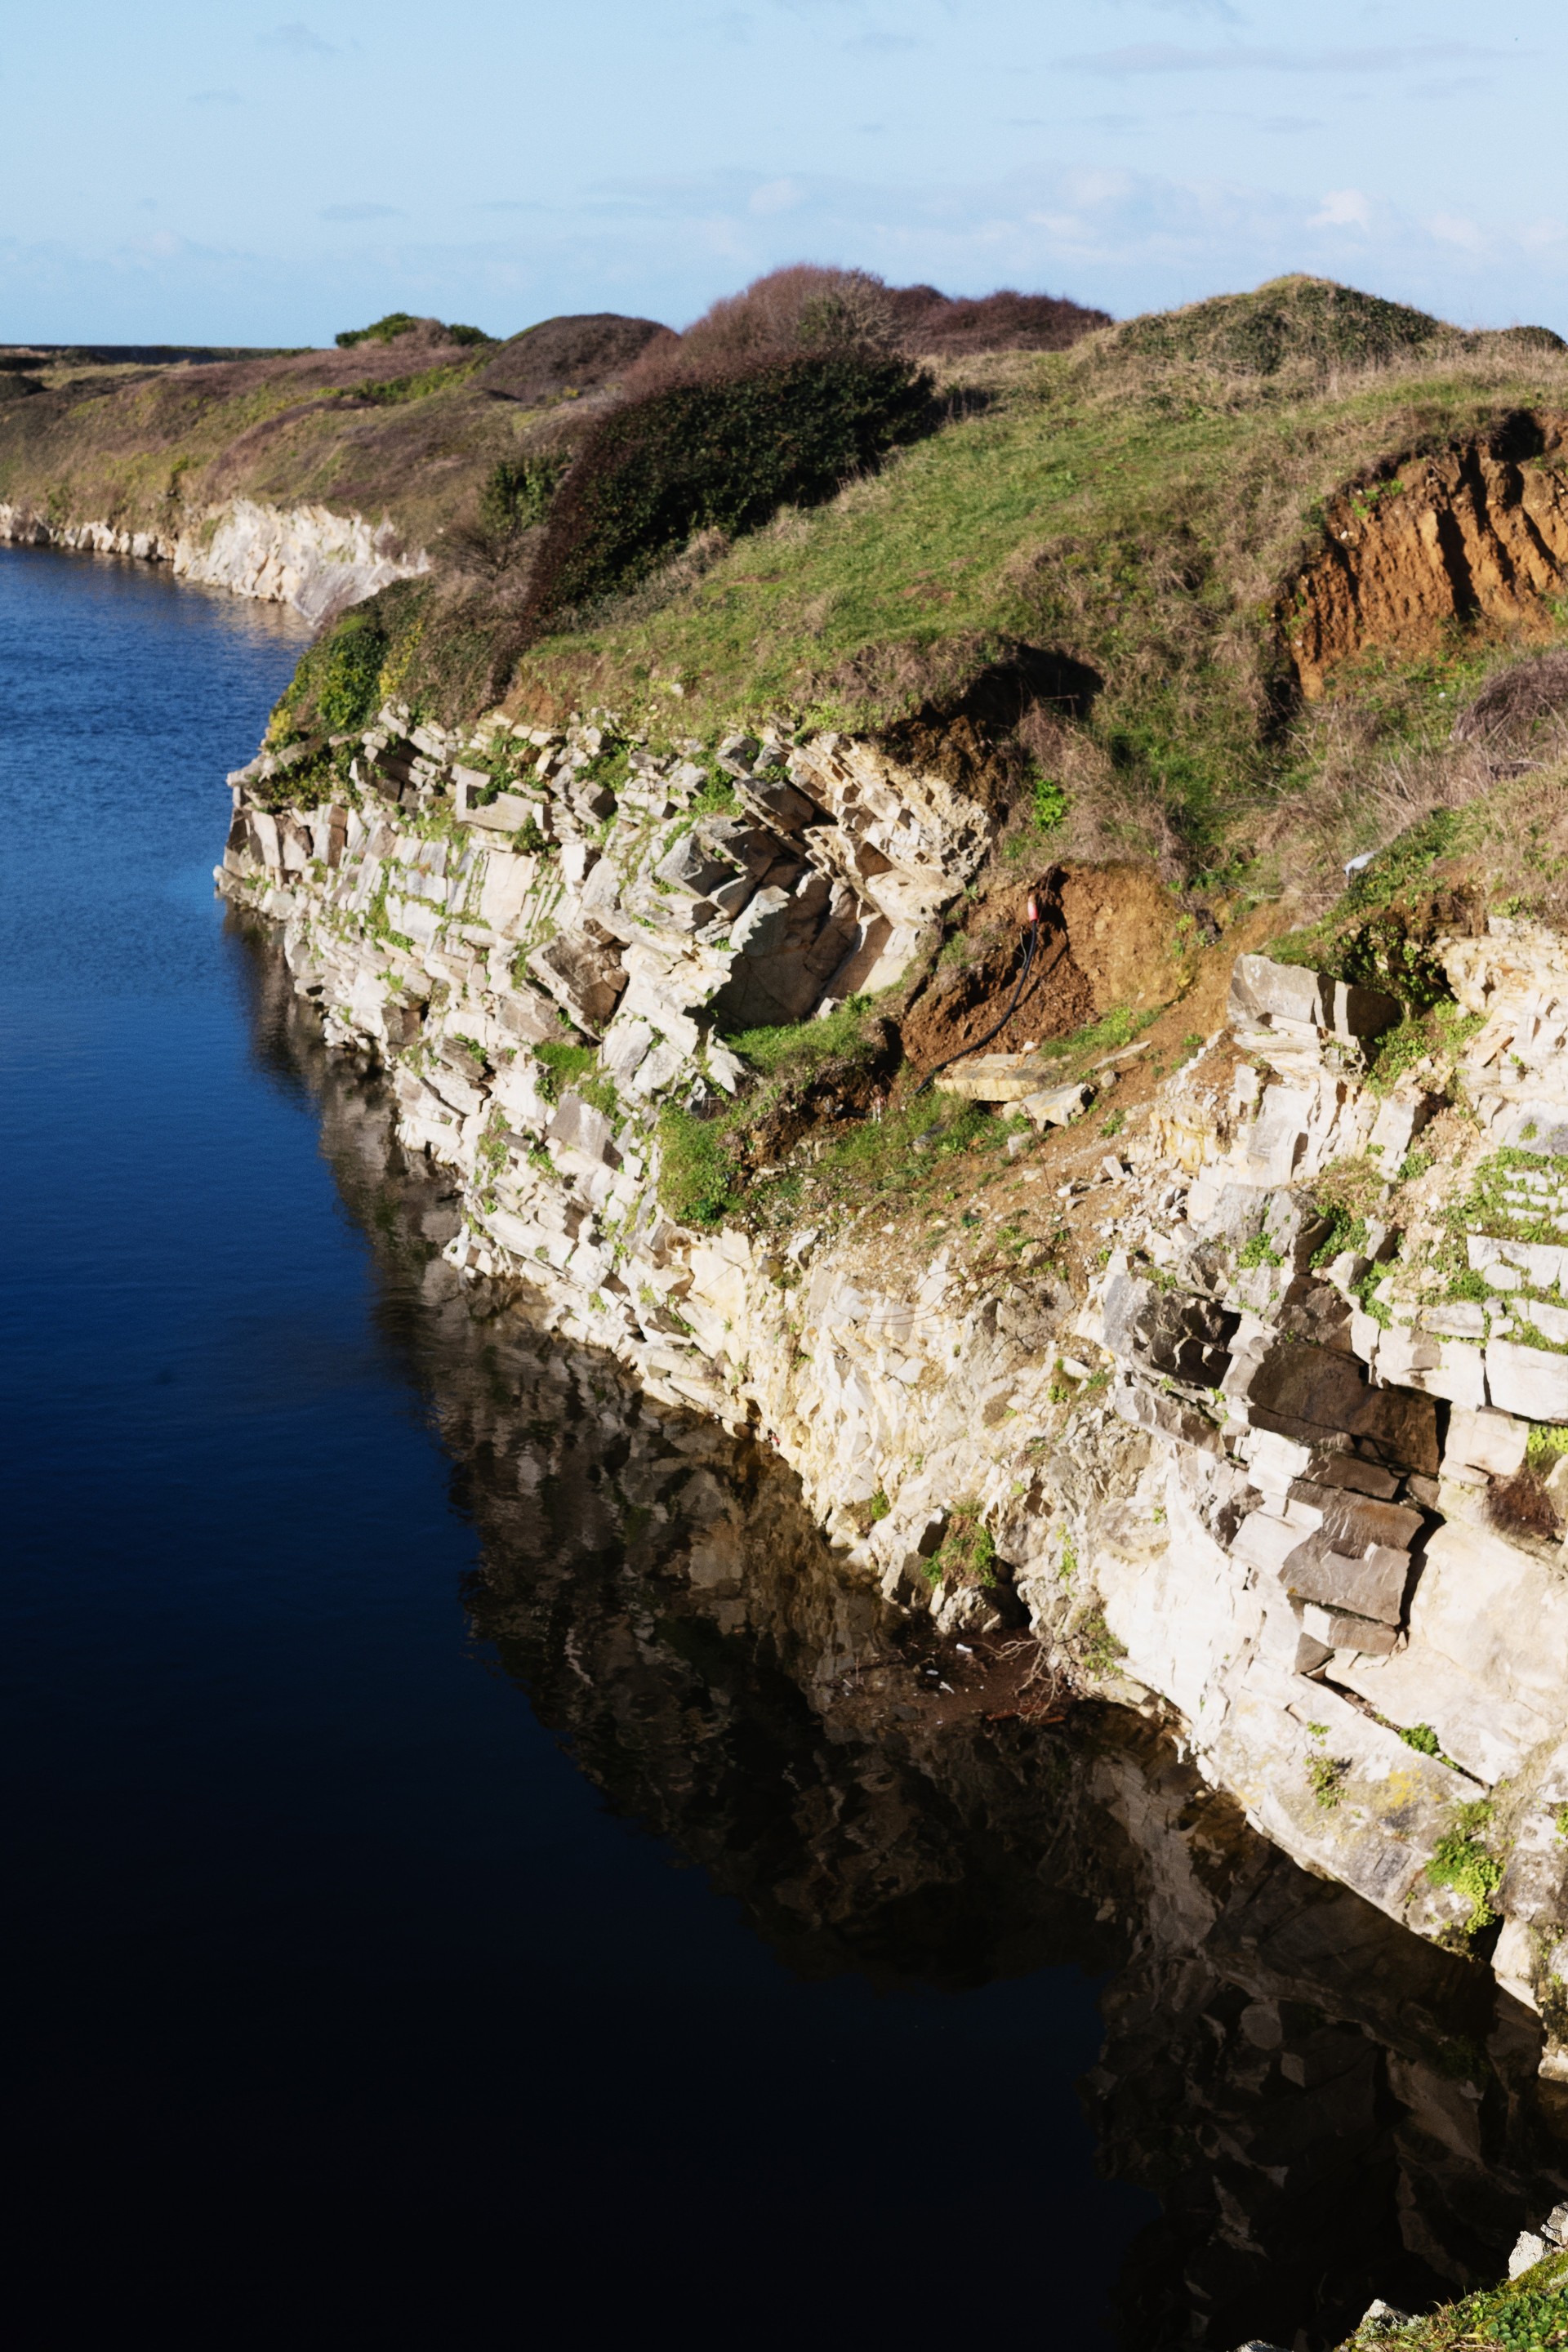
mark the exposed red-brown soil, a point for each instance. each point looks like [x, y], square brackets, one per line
[1476, 532]
[1110, 936]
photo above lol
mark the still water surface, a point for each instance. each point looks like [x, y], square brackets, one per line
[339, 1992]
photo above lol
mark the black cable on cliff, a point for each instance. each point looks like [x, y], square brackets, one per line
[1031, 940]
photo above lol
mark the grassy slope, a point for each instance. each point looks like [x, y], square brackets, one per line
[1139, 502]
[1141, 517]
[152, 450]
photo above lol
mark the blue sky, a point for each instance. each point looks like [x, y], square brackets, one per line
[180, 172]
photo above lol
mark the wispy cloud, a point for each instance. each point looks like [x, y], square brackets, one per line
[775, 196]
[216, 97]
[361, 211]
[1221, 9]
[1342, 208]
[1240, 57]
[1451, 228]
[300, 39]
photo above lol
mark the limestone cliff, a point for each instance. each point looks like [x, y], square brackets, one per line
[306, 556]
[1265, 1466]
[1330, 2109]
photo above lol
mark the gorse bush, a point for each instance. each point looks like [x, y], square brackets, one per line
[720, 452]
[384, 330]
[516, 495]
[1301, 320]
[337, 687]
[403, 322]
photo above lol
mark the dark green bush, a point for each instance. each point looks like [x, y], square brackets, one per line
[399, 322]
[384, 330]
[516, 496]
[719, 451]
[351, 674]
[337, 686]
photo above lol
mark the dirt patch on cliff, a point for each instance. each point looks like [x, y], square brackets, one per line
[1110, 937]
[1478, 532]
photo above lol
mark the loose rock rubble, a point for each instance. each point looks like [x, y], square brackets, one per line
[1253, 1465]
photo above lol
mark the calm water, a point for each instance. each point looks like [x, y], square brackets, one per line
[347, 2009]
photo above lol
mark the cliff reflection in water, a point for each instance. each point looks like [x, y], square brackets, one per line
[1326, 2108]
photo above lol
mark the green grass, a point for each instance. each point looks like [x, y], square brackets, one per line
[1463, 1861]
[800, 1048]
[1524, 2315]
[966, 1555]
[1088, 507]
[575, 1067]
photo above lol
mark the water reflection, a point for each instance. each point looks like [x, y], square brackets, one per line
[1326, 2108]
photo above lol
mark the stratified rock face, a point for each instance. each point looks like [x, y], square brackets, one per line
[1264, 1475]
[1328, 2108]
[305, 556]
[1471, 532]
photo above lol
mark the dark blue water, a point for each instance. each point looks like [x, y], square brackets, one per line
[342, 2008]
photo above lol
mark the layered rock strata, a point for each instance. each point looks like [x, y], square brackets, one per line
[1256, 1473]
[308, 557]
[1328, 2108]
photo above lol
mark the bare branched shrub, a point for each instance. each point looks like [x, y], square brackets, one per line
[1520, 1504]
[799, 308]
[1516, 699]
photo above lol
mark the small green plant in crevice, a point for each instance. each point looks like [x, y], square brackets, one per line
[1488, 1209]
[563, 1067]
[866, 1515]
[1560, 1821]
[1258, 1251]
[1422, 1738]
[697, 1174]
[1098, 1651]
[1462, 1861]
[494, 1144]
[967, 1553]
[1327, 1776]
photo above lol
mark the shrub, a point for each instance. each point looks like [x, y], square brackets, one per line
[384, 330]
[1003, 322]
[802, 308]
[515, 496]
[1308, 322]
[403, 322]
[721, 452]
[337, 685]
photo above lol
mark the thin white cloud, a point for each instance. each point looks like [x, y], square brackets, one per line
[1342, 208]
[361, 211]
[300, 39]
[775, 196]
[1240, 56]
[216, 97]
[1449, 228]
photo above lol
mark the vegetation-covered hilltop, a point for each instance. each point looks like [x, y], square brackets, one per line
[1217, 579]
[1212, 581]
